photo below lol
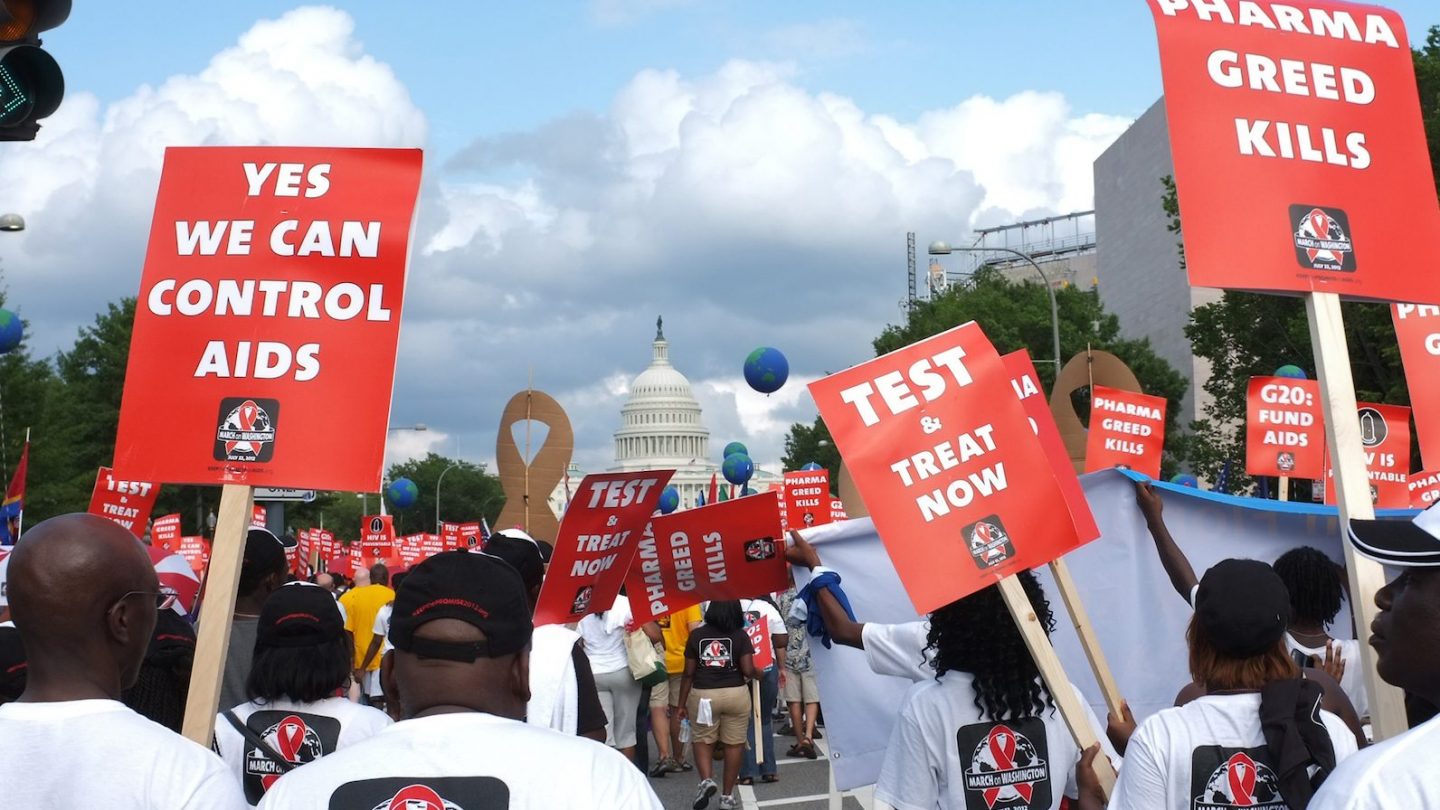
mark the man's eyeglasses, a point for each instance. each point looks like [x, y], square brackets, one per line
[163, 601]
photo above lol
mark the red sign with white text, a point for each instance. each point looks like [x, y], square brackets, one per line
[724, 550]
[1026, 384]
[757, 628]
[1385, 436]
[1284, 428]
[1126, 429]
[257, 517]
[596, 541]
[128, 503]
[165, 532]
[807, 498]
[1418, 330]
[1300, 155]
[195, 550]
[837, 510]
[269, 309]
[958, 485]
[1424, 489]
[377, 536]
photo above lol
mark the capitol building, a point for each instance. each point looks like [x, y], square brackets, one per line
[661, 428]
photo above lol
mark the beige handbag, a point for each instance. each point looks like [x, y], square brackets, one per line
[645, 664]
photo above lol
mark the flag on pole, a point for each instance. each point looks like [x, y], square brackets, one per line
[714, 494]
[14, 504]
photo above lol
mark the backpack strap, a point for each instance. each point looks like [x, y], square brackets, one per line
[256, 740]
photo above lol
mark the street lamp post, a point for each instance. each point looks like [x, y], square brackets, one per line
[452, 466]
[944, 249]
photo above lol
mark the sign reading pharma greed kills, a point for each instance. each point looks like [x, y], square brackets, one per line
[1424, 489]
[165, 532]
[1026, 384]
[1299, 152]
[1418, 330]
[1284, 428]
[1126, 429]
[265, 333]
[723, 550]
[958, 485]
[596, 541]
[807, 498]
[1385, 435]
[125, 502]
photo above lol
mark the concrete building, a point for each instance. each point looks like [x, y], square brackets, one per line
[1138, 267]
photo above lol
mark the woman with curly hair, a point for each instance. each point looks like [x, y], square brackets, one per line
[1317, 590]
[984, 731]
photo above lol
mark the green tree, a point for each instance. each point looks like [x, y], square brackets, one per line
[467, 493]
[807, 443]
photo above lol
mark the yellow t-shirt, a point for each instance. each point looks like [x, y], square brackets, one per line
[361, 605]
[675, 628]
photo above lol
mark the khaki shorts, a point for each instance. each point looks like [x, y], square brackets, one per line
[729, 708]
[665, 694]
[800, 687]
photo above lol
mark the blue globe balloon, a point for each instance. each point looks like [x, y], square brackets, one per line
[1185, 480]
[746, 490]
[669, 500]
[403, 493]
[732, 448]
[11, 331]
[737, 468]
[811, 467]
[1291, 371]
[766, 370]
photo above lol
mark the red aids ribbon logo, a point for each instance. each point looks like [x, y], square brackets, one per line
[1002, 751]
[416, 797]
[290, 736]
[1240, 771]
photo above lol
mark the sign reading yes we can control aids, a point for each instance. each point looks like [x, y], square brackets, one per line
[268, 315]
[940, 447]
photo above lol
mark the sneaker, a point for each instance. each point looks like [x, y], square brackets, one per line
[703, 794]
[729, 803]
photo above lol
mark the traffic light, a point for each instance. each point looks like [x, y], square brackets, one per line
[31, 84]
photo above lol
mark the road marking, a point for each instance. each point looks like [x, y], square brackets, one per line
[818, 797]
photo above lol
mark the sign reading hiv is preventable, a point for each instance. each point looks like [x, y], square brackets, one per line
[1311, 108]
[125, 502]
[1385, 435]
[265, 333]
[1026, 384]
[942, 452]
[807, 498]
[1126, 429]
[1418, 330]
[1284, 428]
[377, 535]
[597, 539]
[725, 550]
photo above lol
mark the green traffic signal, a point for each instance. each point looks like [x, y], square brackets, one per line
[31, 83]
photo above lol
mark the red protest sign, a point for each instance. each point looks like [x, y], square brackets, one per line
[469, 535]
[807, 498]
[596, 541]
[1126, 429]
[125, 502]
[1298, 147]
[1284, 428]
[1418, 330]
[942, 453]
[724, 550]
[195, 550]
[837, 510]
[165, 532]
[257, 517]
[757, 628]
[1026, 385]
[1385, 435]
[263, 350]
[1424, 489]
[377, 536]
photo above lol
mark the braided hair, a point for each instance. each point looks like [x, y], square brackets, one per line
[1314, 582]
[977, 635]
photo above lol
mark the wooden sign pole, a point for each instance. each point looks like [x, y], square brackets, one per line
[1352, 494]
[1070, 594]
[756, 719]
[213, 641]
[1284, 488]
[1053, 673]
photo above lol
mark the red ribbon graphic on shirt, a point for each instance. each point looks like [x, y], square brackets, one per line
[1002, 750]
[1240, 771]
[416, 797]
[290, 735]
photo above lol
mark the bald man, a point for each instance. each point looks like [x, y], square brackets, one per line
[84, 596]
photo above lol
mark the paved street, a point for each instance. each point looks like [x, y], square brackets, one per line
[804, 785]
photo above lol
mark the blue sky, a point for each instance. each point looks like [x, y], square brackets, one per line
[746, 169]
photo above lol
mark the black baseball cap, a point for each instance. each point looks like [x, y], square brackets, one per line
[1242, 606]
[299, 615]
[1402, 543]
[173, 635]
[522, 554]
[474, 587]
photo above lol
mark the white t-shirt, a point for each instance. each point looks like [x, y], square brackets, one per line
[467, 760]
[99, 753]
[1208, 753]
[604, 637]
[898, 650]
[1352, 680]
[1400, 772]
[301, 732]
[382, 628]
[774, 622]
[944, 752]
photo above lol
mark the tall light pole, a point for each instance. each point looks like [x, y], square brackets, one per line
[944, 249]
[452, 466]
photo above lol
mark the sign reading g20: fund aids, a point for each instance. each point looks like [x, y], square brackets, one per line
[1284, 428]
[1296, 134]
[269, 311]
[939, 445]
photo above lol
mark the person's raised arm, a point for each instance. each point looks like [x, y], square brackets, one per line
[842, 629]
[1182, 576]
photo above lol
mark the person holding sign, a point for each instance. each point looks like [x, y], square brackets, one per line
[718, 661]
[773, 632]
